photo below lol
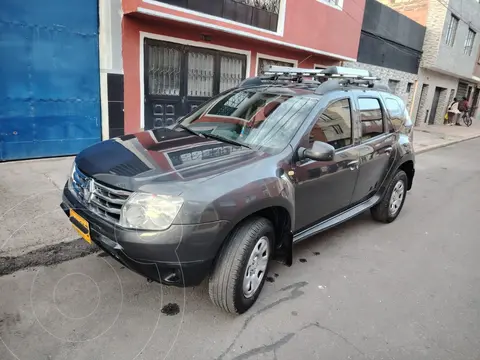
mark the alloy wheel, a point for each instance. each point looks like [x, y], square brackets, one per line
[396, 198]
[256, 267]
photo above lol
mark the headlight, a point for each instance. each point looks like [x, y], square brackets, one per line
[70, 176]
[149, 211]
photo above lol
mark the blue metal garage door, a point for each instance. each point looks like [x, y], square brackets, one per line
[49, 78]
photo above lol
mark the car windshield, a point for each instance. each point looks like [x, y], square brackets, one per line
[251, 118]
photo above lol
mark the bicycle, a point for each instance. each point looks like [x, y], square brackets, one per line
[467, 118]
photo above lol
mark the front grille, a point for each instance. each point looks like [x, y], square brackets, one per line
[101, 199]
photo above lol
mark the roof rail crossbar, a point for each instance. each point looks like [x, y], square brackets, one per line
[326, 79]
[330, 72]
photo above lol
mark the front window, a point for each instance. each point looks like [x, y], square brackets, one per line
[334, 125]
[371, 118]
[251, 118]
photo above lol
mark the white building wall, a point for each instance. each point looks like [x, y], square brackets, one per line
[433, 79]
[452, 58]
[110, 51]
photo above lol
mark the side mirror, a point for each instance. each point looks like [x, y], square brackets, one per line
[319, 151]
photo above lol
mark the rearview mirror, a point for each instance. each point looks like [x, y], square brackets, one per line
[319, 151]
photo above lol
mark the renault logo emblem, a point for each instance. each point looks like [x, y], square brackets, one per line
[88, 191]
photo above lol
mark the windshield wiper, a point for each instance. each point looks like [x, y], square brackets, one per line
[226, 140]
[190, 130]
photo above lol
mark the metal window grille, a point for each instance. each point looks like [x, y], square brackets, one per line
[164, 70]
[200, 74]
[469, 42]
[451, 30]
[231, 73]
[332, 2]
[264, 63]
[272, 6]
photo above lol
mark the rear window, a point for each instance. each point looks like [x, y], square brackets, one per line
[399, 116]
[396, 112]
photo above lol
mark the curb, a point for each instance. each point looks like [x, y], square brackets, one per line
[434, 147]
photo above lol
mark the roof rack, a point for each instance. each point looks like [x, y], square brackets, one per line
[333, 77]
[330, 72]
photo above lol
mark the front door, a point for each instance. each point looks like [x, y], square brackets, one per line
[325, 188]
[179, 78]
[375, 148]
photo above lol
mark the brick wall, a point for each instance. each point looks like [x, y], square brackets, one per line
[433, 35]
[450, 97]
[442, 106]
[417, 10]
[421, 111]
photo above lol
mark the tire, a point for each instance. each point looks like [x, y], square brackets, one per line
[467, 120]
[226, 283]
[385, 211]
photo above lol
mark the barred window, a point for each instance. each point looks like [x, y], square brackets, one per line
[451, 30]
[469, 42]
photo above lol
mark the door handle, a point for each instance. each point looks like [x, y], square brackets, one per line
[353, 165]
[388, 150]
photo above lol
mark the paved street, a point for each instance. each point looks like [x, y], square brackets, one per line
[408, 290]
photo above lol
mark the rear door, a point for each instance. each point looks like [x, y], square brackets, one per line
[376, 146]
[324, 188]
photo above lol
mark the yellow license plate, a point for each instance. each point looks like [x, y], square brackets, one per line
[81, 225]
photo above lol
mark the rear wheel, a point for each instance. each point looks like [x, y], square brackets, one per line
[390, 206]
[241, 268]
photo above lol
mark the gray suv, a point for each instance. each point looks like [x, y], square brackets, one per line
[233, 185]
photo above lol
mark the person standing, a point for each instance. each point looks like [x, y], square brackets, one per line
[453, 112]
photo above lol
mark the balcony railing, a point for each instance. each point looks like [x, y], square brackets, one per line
[258, 13]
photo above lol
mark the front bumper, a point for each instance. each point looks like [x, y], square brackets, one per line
[180, 256]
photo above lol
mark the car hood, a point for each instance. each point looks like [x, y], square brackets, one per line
[166, 159]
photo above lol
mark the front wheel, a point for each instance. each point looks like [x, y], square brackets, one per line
[467, 120]
[241, 268]
[390, 206]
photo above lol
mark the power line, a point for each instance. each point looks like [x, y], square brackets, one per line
[454, 12]
[389, 42]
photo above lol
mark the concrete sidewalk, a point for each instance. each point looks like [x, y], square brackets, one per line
[32, 223]
[30, 216]
[429, 137]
